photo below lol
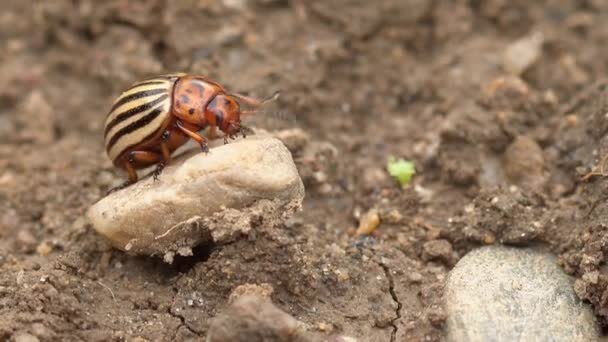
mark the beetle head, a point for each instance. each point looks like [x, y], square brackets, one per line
[227, 113]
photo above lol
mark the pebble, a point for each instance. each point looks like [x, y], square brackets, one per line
[437, 250]
[202, 196]
[295, 139]
[496, 293]
[251, 318]
[522, 53]
[263, 290]
[25, 337]
[369, 222]
[44, 249]
[524, 163]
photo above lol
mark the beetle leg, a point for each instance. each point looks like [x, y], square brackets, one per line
[159, 169]
[164, 148]
[245, 130]
[200, 140]
[137, 159]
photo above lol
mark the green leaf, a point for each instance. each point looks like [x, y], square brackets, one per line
[402, 170]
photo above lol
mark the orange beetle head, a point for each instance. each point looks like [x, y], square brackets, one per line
[226, 112]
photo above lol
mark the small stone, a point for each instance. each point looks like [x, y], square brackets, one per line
[437, 250]
[44, 249]
[572, 120]
[251, 318]
[415, 277]
[521, 54]
[295, 139]
[25, 337]
[369, 222]
[592, 277]
[393, 217]
[436, 316]
[425, 194]
[41, 331]
[325, 188]
[20, 277]
[7, 178]
[263, 290]
[343, 338]
[524, 163]
[342, 275]
[489, 238]
[138, 339]
[199, 197]
[325, 327]
[40, 130]
[507, 92]
[506, 294]
[25, 240]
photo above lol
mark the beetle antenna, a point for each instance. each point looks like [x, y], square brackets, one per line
[254, 102]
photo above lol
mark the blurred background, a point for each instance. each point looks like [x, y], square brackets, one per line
[451, 85]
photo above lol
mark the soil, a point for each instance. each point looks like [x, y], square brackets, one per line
[499, 157]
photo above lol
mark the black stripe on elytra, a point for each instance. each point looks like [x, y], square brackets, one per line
[133, 126]
[147, 82]
[137, 95]
[133, 111]
[161, 77]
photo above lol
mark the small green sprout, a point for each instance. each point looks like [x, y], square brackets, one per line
[402, 170]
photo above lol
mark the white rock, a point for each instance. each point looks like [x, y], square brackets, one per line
[521, 54]
[508, 294]
[202, 196]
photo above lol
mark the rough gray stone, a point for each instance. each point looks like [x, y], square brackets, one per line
[201, 197]
[251, 318]
[506, 294]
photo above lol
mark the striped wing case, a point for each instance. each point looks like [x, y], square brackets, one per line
[138, 113]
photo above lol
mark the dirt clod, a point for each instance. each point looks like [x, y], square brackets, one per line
[438, 249]
[368, 223]
[251, 318]
[524, 163]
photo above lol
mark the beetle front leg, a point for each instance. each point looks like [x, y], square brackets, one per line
[200, 140]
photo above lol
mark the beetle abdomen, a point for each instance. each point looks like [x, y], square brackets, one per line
[138, 114]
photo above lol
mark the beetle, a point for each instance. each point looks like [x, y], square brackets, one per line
[154, 117]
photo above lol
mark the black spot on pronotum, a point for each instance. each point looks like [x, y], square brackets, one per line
[189, 91]
[184, 99]
[191, 111]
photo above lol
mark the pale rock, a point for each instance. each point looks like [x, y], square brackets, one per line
[507, 294]
[521, 54]
[201, 197]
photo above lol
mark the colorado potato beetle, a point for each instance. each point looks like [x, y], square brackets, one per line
[154, 117]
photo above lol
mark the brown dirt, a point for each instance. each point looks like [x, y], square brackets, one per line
[499, 159]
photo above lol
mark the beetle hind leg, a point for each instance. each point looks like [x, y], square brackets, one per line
[159, 169]
[166, 155]
[137, 160]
